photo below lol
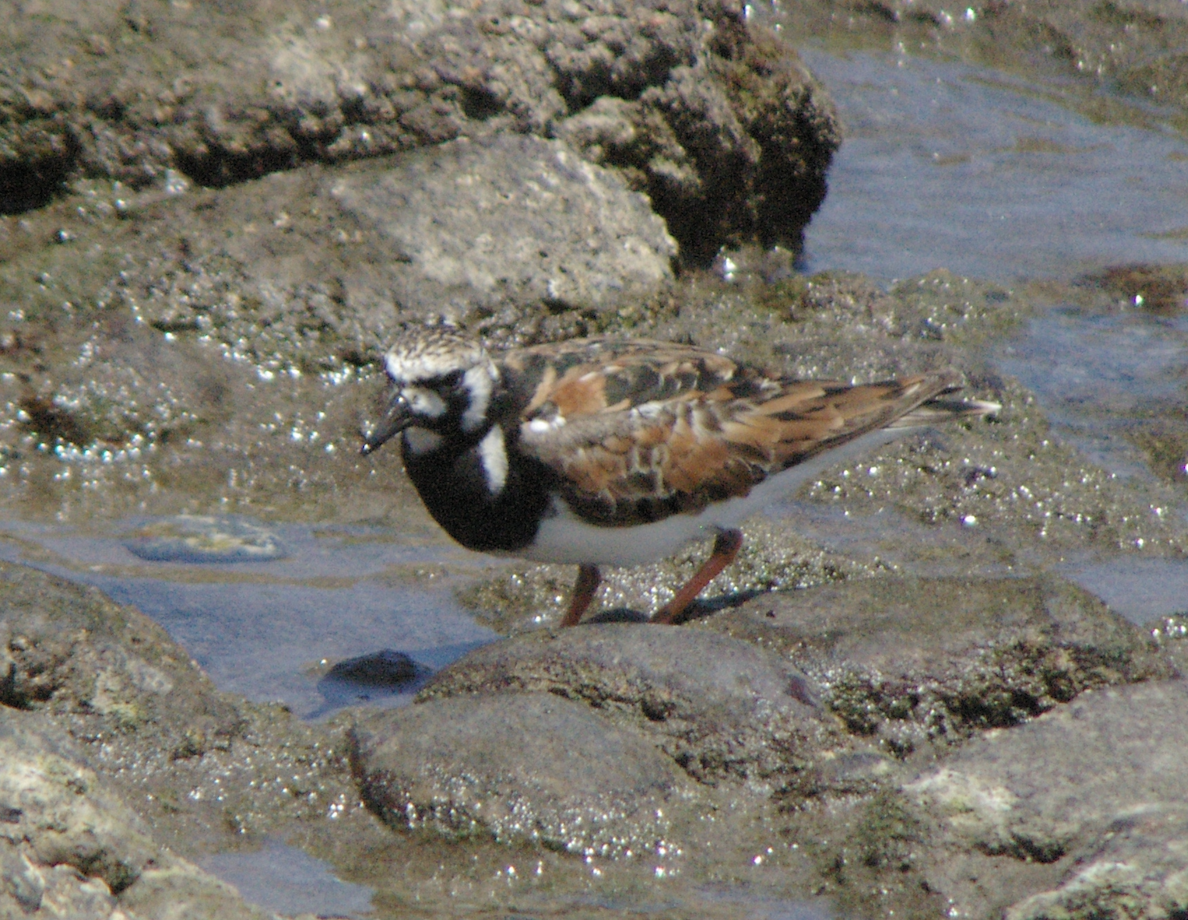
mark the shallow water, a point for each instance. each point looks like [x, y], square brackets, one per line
[1142, 590]
[946, 165]
[1096, 374]
[285, 880]
[268, 630]
[754, 905]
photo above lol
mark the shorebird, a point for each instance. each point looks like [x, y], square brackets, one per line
[606, 451]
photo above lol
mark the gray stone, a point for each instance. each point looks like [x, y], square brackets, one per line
[70, 895]
[720, 708]
[23, 880]
[919, 661]
[58, 806]
[1140, 872]
[101, 711]
[71, 848]
[520, 767]
[1087, 800]
[731, 137]
[72, 650]
[312, 271]
[514, 218]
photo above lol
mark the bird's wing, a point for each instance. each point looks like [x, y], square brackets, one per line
[641, 430]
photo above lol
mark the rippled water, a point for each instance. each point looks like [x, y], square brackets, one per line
[946, 165]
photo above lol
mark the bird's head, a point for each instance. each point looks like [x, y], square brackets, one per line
[442, 380]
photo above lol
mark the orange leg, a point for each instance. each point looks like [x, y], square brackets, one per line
[587, 584]
[726, 547]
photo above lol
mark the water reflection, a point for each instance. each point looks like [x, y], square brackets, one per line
[945, 165]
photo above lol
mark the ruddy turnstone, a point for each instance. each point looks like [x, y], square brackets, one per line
[603, 451]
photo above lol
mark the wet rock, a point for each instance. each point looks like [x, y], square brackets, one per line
[1159, 288]
[69, 847]
[191, 538]
[369, 677]
[711, 144]
[311, 272]
[520, 767]
[122, 390]
[918, 661]
[720, 708]
[72, 650]
[478, 224]
[1032, 494]
[1163, 440]
[730, 136]
[140, 411]
[1171, 633]
[30, 889]
[773, 556]
[386, 668]
[202, 768]
[1139, 871]
[1084, 807]
[56, 807]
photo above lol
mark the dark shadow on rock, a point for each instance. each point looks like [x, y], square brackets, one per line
[617, 615]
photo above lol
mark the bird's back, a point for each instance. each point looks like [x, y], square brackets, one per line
[637, 430]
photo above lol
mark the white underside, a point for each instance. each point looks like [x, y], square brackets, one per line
[565, 538]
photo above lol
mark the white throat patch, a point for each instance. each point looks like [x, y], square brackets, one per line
[479, 384]
[493, 454]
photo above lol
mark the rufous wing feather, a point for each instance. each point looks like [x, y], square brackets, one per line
[647, 459]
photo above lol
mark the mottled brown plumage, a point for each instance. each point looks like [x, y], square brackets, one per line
[578, 451]
[632, 426]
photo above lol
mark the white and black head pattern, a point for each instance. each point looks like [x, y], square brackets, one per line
[444, 377]
[442, 386]
[448, 401]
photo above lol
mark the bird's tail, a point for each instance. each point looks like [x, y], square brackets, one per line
[946, 408]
